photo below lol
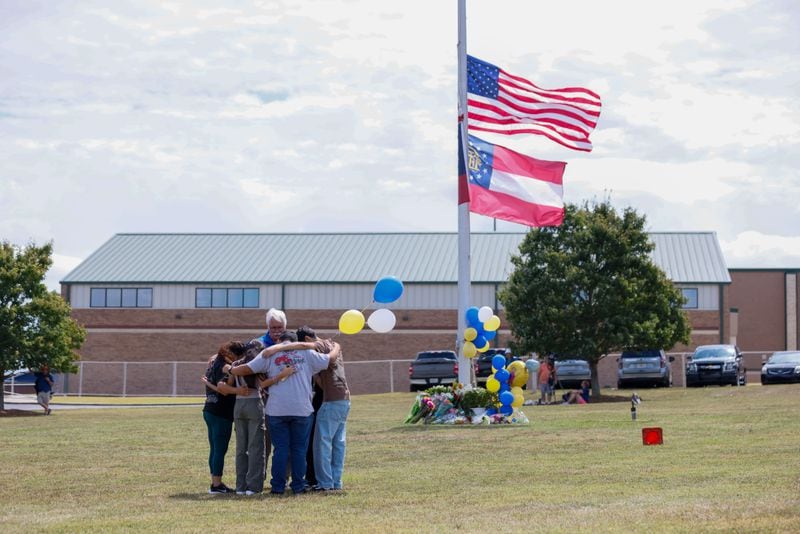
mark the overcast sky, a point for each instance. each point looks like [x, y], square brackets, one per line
[304, 116]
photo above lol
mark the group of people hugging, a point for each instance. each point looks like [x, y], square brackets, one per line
[263, 389]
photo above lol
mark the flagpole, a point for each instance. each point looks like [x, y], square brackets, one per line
[464, 364]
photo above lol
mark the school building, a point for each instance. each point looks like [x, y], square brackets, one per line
[156, 306]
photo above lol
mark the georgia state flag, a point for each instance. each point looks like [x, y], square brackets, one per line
[513, 187]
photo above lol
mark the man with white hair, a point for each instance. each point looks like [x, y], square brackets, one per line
[276, 326]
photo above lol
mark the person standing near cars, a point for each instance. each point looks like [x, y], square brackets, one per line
[543, 379]
[43, 385]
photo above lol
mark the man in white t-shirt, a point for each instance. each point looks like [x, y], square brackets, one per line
[289, 368]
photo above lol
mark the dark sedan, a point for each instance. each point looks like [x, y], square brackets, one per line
[716, 364]
[781, 368]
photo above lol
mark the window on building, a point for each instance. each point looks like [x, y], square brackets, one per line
[97, 298]
[113, 298]
[690, 294]
[116, 297]
[202, 298]
[219, 298]
[233, 297]
[250, 298]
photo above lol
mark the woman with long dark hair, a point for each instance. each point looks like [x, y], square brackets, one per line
[218, 409]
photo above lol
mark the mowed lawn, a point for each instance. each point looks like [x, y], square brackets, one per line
[730, 462]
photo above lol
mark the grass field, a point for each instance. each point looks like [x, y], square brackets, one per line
[729, 462]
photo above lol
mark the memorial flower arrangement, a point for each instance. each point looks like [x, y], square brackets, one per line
[458, 404]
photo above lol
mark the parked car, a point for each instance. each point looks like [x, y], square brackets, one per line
[571, 372]
[483, 363]
[644, 368]
[715, 364]
[431, 368]
[782, 367]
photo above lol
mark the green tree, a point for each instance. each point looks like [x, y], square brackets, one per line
[589, 287]
[35, 325]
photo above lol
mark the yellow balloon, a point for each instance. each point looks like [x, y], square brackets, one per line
[520, 379]
[351, 322]
[492, 384]
[483, 348]
[492, 324]
[518, 401]
[469, 349]
[516, 367]
[470, 334]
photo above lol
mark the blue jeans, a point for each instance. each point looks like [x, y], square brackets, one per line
[330, 436]
[219, 435]
[289, 433]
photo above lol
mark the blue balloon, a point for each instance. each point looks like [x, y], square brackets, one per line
[479, 341]
[506, 409]
[472, 318]
[491, 411]
[489, 335]
[532, 366]
[502, 374]
[504, 387]
[498, 362]
[387, 289]
[506, 397]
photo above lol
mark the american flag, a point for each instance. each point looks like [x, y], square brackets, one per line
[502, 103]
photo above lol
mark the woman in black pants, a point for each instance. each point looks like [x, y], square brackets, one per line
[218, 410]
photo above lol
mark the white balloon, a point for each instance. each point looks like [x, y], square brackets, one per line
[485, 313]
[381, 320]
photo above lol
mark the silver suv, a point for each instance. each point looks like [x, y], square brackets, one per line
[644, 368]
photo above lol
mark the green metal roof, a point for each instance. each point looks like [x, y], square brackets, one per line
[341, 258]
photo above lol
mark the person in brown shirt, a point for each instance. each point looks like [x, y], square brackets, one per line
[330, 431]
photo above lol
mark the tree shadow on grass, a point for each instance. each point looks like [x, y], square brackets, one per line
[20, 413]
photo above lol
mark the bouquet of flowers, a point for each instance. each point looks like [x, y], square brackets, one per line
[456, 404]
[423, 406]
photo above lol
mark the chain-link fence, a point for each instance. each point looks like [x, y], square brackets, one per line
[181, 378]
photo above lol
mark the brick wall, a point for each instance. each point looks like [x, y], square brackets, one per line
[191, 336]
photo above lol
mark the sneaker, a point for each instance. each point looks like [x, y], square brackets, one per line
[320, 488]
[47, 411]
[222, 488]
[240, 492]
[250, 492]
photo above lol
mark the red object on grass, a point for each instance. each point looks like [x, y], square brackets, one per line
[652, 436]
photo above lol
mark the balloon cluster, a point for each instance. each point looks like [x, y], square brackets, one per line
[482, 325]
[507, 381]
[387, 289]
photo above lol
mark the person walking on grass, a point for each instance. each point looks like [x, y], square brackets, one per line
[43, 386]
[218, 410]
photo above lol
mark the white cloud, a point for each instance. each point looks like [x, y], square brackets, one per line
[755, 249]
[341, 115]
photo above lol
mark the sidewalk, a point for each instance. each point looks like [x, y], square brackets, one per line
[28, 402]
